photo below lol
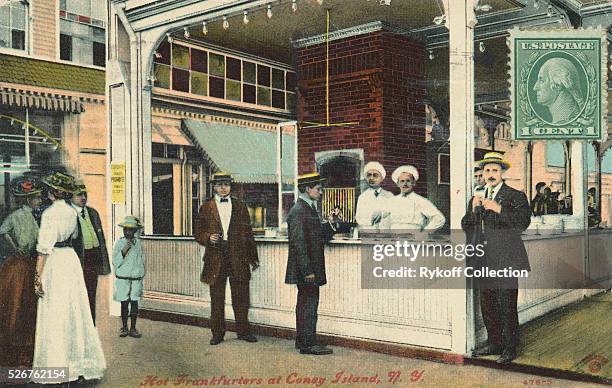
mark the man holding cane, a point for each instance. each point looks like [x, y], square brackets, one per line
[497, 221]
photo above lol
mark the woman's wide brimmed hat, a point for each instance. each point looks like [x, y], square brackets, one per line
[25, 187]
[131, 222]
[495, 157]
[60, 181]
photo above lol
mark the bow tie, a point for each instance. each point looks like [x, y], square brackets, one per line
[404, 195]
[224, 200]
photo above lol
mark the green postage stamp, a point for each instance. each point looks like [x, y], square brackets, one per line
[558, 84]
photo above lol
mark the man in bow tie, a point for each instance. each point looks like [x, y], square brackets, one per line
[90, 244]
[224, 228]
[371, 214]
[410, 211]
[497, 220]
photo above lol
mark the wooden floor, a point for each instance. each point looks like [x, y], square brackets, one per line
[575, 339]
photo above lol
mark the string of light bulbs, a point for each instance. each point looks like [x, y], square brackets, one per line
[225, 23]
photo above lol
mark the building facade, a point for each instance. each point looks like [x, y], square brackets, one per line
[52, 92]
[194, 87]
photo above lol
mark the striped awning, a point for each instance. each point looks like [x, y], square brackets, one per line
[40, 100]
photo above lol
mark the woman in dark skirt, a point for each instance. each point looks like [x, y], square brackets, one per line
[17, 298]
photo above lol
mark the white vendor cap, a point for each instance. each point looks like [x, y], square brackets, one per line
[375, 166]
[405, 168]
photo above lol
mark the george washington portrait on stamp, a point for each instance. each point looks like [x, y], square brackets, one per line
[558, 83]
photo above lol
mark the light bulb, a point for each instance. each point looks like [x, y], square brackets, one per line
[169, 37]
[157, 54]
[439, 19]
[269, 12]
[482, 47]
[204, 28]
[225, 23]
[431, 54]
[294, 5]
[245, 18]
[186, 33]
[549, 11]
[536, 4]
[483, 8]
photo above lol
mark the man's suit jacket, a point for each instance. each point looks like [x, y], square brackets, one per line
[242, 250]
[502, 232]
[103, 264]
[307, 238]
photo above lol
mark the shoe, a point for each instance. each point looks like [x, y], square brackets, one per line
[247, 338]
[316, 350]
[298, 344]
[488, 351]
[134, 333]
[123, 332]
[216, 340]
[506, 357]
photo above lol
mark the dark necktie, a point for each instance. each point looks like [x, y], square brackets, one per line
[224, 200]
[376, 193]
[83, 213]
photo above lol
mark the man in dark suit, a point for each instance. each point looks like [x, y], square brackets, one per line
[90, 244]
[306, 261]
[224, 228]
[497, 220]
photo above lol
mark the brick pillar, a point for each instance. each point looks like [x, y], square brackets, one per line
[376, 79]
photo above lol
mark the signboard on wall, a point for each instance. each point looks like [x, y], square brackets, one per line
[118, 183]
[558, 84]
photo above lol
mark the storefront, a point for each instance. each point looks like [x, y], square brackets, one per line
[388, 83]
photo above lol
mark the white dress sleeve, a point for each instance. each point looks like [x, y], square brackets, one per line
[47, 234]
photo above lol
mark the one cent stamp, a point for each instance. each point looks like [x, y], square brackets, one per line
[558, 84]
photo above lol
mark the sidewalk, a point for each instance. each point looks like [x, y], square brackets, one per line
[168, 351]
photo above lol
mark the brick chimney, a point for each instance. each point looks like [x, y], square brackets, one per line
[377, 80]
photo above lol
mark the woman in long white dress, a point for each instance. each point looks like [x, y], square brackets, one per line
[65, 333]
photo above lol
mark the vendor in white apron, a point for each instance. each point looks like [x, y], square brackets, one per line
[371, 214]
[408, 210]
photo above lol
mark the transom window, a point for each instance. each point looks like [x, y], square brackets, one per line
[209, 73]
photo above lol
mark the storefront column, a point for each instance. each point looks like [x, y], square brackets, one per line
[460, 22]
[578, 177]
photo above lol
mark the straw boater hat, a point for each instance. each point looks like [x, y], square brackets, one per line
[60, 181]
[310, 179]
[405, 168]
[131, 222]
[79, 187]
[494, 157]
[375, 166]
[221, 177]
[25, 187]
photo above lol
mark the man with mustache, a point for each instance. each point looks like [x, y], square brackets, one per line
[371, 214]
[410, 211]
[497, 221]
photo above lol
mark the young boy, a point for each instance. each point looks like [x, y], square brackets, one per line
[128, 261]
